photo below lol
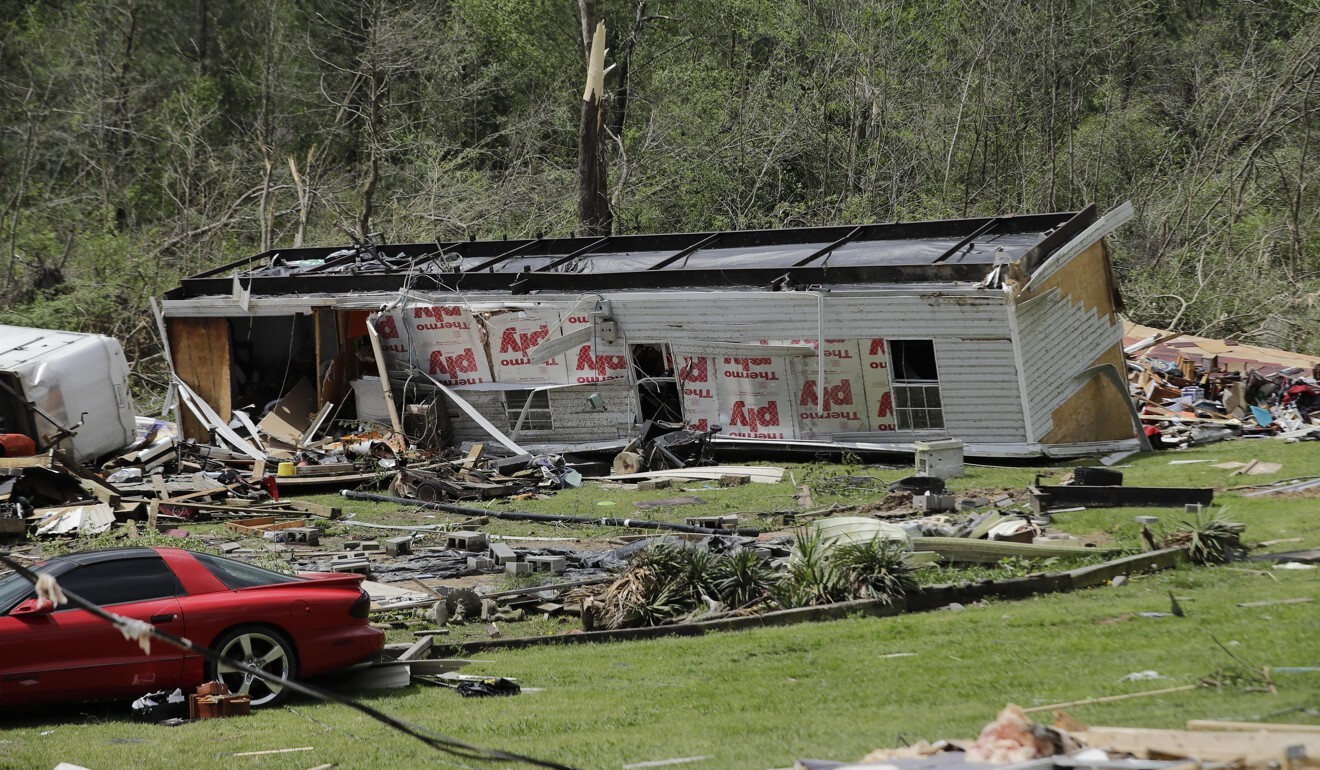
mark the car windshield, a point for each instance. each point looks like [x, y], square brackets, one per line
[236, 574]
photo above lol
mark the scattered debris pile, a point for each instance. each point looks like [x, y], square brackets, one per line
[1192, 390]
[1014, 741]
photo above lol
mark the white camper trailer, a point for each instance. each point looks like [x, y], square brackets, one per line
[65, 389]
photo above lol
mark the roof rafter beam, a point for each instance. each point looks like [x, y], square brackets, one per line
[686, 251]
[822, 252]
[510, 254]
[982, 230]
[574, 255]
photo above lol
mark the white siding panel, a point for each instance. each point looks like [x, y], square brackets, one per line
[979, 388]
[1059, 339]
[746, 316]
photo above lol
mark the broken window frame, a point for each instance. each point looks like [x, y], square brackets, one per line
[528, 409]
[660, 383]
[918, 402]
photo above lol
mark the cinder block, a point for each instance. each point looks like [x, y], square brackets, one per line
[552, 564]
[369, 545]
[466, 541]
[518, 568]
[502, 554]
[398, 546]
[480, 563]
[307, 535]
[351, 562]
[653, 484]
[933, 503]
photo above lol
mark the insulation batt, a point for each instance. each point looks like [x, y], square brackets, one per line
[1011, 738]
[48, 591]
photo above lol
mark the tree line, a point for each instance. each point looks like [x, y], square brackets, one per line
[144, 140]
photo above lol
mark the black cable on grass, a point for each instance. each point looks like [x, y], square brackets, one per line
[434, 740]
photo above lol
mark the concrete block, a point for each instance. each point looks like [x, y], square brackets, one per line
[502, 554]
[553, 564]
[933, 503]
[351, 562]
[518, 568]
[398, 546]
[653, 484]
[466, 541]
[369, 545]
[480, 563]
[306, 535]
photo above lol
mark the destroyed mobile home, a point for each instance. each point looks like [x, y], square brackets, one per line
[1002, 332]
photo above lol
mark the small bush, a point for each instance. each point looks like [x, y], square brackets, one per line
[1212, 541]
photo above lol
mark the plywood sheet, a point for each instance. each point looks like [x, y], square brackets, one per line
[200, 349]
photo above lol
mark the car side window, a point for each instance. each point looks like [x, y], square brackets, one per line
[123, 580]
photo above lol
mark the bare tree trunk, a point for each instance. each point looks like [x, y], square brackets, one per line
[593, 200]
[304, 187]
[619, 108]
[16, 204]
[375, 94]
[264, 212]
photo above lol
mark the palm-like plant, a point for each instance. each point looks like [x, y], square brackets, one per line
[1211, 541]
[875, 569]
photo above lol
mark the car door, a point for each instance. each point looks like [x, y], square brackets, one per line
[70, 654]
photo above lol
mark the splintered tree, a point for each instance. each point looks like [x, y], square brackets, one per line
[593, 201]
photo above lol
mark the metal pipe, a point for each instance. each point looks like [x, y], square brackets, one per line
[548, 517]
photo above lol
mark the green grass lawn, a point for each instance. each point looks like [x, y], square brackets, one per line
[760, 699]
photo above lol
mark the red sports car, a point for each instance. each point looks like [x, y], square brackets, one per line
[299, 626]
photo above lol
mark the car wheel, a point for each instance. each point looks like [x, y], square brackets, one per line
[260, 648]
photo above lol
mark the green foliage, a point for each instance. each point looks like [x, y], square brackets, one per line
[875, 569]
[149, 141]
[813, 578]
[742, 578]
[1209, 540]
[825, 573]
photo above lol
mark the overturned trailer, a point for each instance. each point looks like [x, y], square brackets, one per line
[65, 390]
[1001, 332]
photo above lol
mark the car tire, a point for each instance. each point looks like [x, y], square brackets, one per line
[259, 647]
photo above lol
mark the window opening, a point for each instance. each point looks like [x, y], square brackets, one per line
[657, 387]
[916, 385]
[535, 404]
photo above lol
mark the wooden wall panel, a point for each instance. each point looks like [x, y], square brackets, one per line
[200, 348]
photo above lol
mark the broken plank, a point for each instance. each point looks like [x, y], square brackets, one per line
[35, 461]
[258, 527]
[991, 551]
[418, 650]
[758, 474]
[316, 509]
[1110, 698]
[1046, 497]
[474, 456]
[1268, 727]
[246, 511]
[193, 495]
[325, 469]
[348, 480]
[1273, 602]
[1208, 746]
